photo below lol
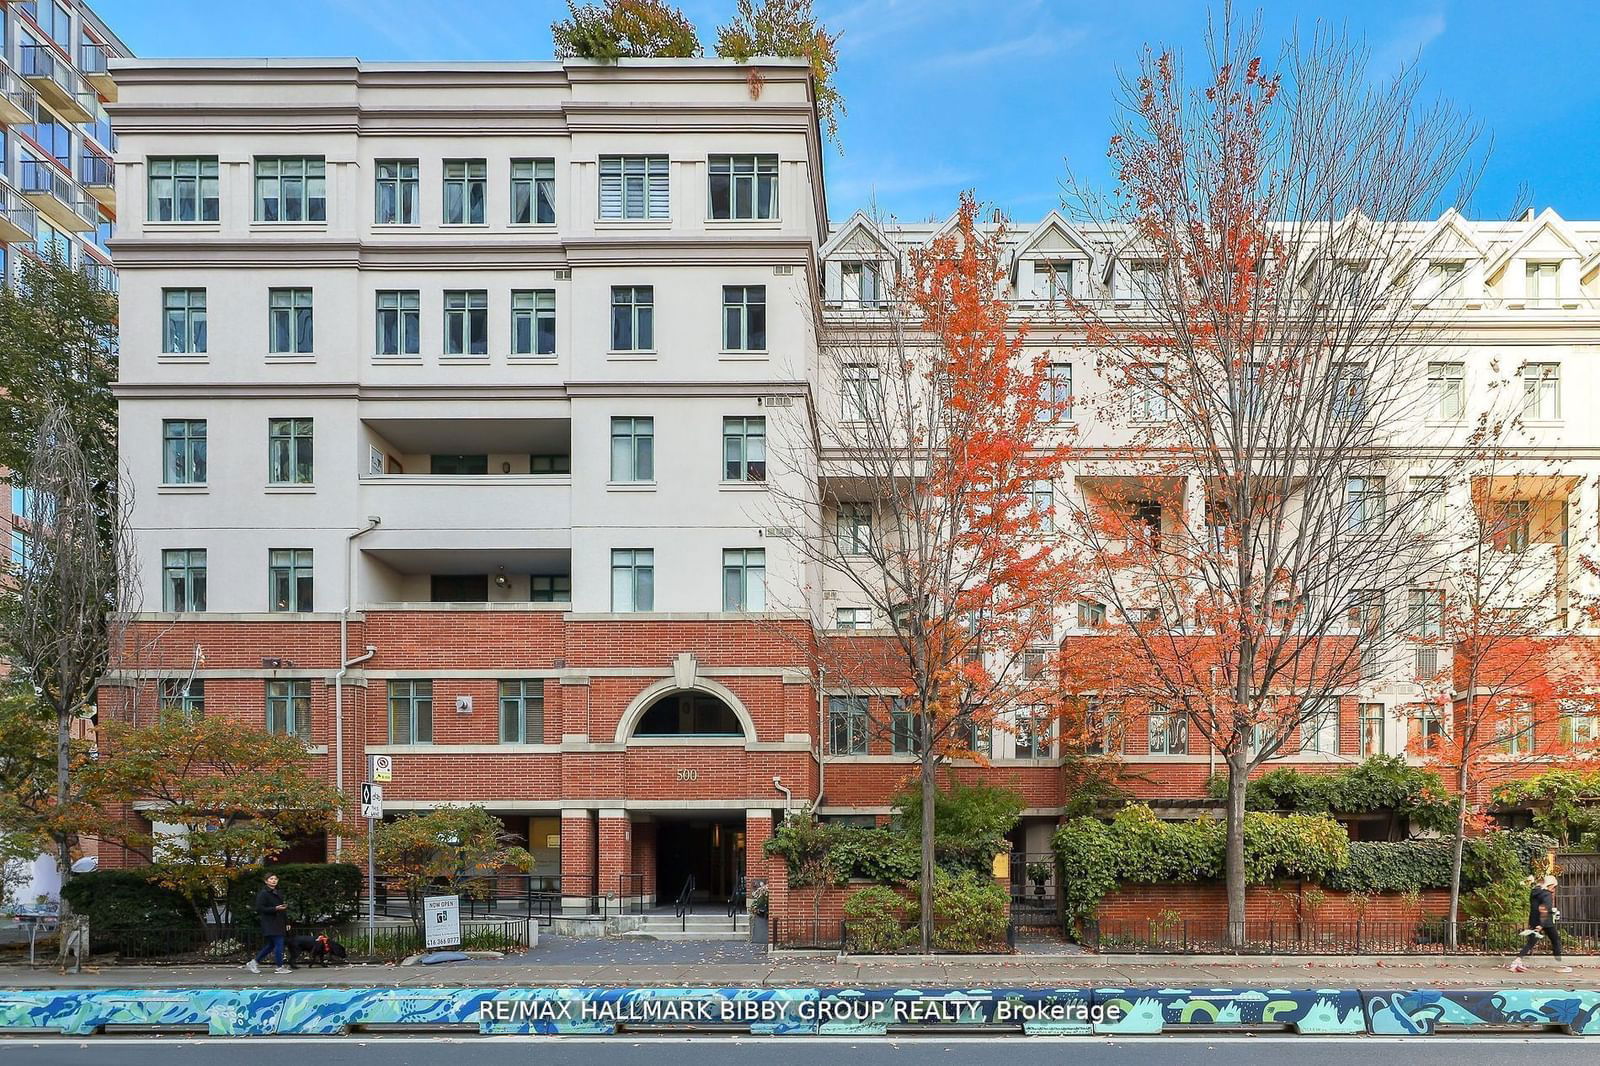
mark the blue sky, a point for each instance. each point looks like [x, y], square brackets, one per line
[1000, 96]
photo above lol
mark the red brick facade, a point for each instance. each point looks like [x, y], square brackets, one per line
[1208, 903]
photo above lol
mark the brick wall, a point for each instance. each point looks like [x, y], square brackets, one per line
[1208, 903]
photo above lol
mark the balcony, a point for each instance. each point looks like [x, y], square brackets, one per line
[18, 101]
[18, 220]
[92, 60]
[59, 198]
[99, 178]
[466, 511]
[57, 83]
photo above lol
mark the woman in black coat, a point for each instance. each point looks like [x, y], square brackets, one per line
[273, 913]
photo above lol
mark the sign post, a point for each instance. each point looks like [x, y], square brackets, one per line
[380, 770]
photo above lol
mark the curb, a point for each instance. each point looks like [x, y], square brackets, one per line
[797, 1011]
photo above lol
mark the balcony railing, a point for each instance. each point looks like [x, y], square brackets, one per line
[61, 199]
[93, 60]
[18, 219]
[99, 176]
[444, 510]
[18, 101]
[59, 85]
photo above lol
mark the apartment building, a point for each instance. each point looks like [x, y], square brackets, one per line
[473, 470]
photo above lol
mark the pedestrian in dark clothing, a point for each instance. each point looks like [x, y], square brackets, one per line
[273, 913]
[1541, 919]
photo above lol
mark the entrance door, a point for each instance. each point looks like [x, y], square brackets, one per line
[710, 851]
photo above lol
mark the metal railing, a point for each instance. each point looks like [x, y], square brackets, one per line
[1290, 937]
[685, 904]
[40, 61]
[16, 210]
[96, 169]
[630, 893]
[532, 896]
[736, 899]
[846, 937]
[224, 943]
[92, 58]
[15, 89]
[39, 177]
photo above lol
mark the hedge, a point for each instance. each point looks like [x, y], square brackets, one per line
[1136, 847]
[120, 904]
[1380, 783]
[880, 855]
[317, 893]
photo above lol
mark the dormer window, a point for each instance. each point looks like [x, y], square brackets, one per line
[1542, 282]
[1144, 280]
[1052, 280]
[861, 284]
[1446, 277]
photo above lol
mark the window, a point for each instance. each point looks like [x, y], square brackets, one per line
[1091, 614]
[550, 588]
[1446, 278]
[183, 321]
[533, 191]
[291, 189]
[853, 528]
[633, 449]
[1426, 729]
[289, 328]
[466, 189]
[183, 579]
[1428, 496]
[550, 463]
[184, 189]
[1514, 732]
[396, 199]
[1058, 392]
[458, 588]
[182, 695]
[1052, 281]
[1366, 618]
[1349, 392]
[1580, 725]
[399, 322]
[1542, 282]
[847, 725]
[905, 728]
[183, 451]
[289, 708]
[1144, 280]
[1373, 726]
[744, 579]
[1364, 504]
[289, 451]
[1150, 393]
[633, 579]
[19, 549]
[1425, 623]
[852, 618]
[861, 392]
[861, 283]
[744, 318]
[744, 449]
[1541, 391]
[522, 711]
[1447, 395]
[533, 322]
[411, 712]
[1032, 733]
[466, 322]
[289, 579]
[633, 187]
[1509, 525]
[459, 465]
[1101, 729]
[1319, 726]
[744, 187]
[1169, 731]
[1042, 504]
[633, 318]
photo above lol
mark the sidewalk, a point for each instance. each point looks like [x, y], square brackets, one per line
[814, 970]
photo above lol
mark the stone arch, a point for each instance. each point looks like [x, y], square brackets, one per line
[666, 687]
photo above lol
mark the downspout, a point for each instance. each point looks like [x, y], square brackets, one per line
[788, 796]
[822, 733]
[373, 521]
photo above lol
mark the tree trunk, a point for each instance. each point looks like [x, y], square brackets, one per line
[1233, 865]
[63, 839]
[1459, 846]
[929, 795]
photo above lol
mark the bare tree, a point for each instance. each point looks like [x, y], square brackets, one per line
[1265, 342]
[58, 620]
[931, 468]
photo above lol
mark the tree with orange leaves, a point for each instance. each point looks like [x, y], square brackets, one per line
[1262, 365]
[934, 488]
[1500, 681]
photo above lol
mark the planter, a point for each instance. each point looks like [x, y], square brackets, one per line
[758, 929]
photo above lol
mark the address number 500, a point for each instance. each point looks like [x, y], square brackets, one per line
[688, 775]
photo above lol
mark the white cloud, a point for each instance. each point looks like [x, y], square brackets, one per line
[1027, 46]
[1406, 43]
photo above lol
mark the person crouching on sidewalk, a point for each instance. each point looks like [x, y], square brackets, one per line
[271, 908]
[1541, 919]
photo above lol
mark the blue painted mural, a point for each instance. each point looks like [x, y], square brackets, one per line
[1058, 1011]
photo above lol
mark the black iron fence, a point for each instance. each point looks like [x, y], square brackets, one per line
[225, 943]
[1035, 896]
[872, 938]
[1176, 936]
[536, 896]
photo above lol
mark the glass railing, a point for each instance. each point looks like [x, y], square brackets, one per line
[92, 58]
[96, 169]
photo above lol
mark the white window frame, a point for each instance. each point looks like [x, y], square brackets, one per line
[633, 574]
[635, 188]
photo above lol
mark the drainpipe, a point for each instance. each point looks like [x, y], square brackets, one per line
[788, 797]
[822, 733]
[373, 521]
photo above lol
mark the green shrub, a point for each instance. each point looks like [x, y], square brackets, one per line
[881, 855]
[317, 893]
[1565, 804]
[970, 822]
[1380, 783]
[879, 919]
[969, 913]
[125, 909]
[1415, 865]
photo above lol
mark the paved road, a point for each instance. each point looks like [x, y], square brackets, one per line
[1544, 1050]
